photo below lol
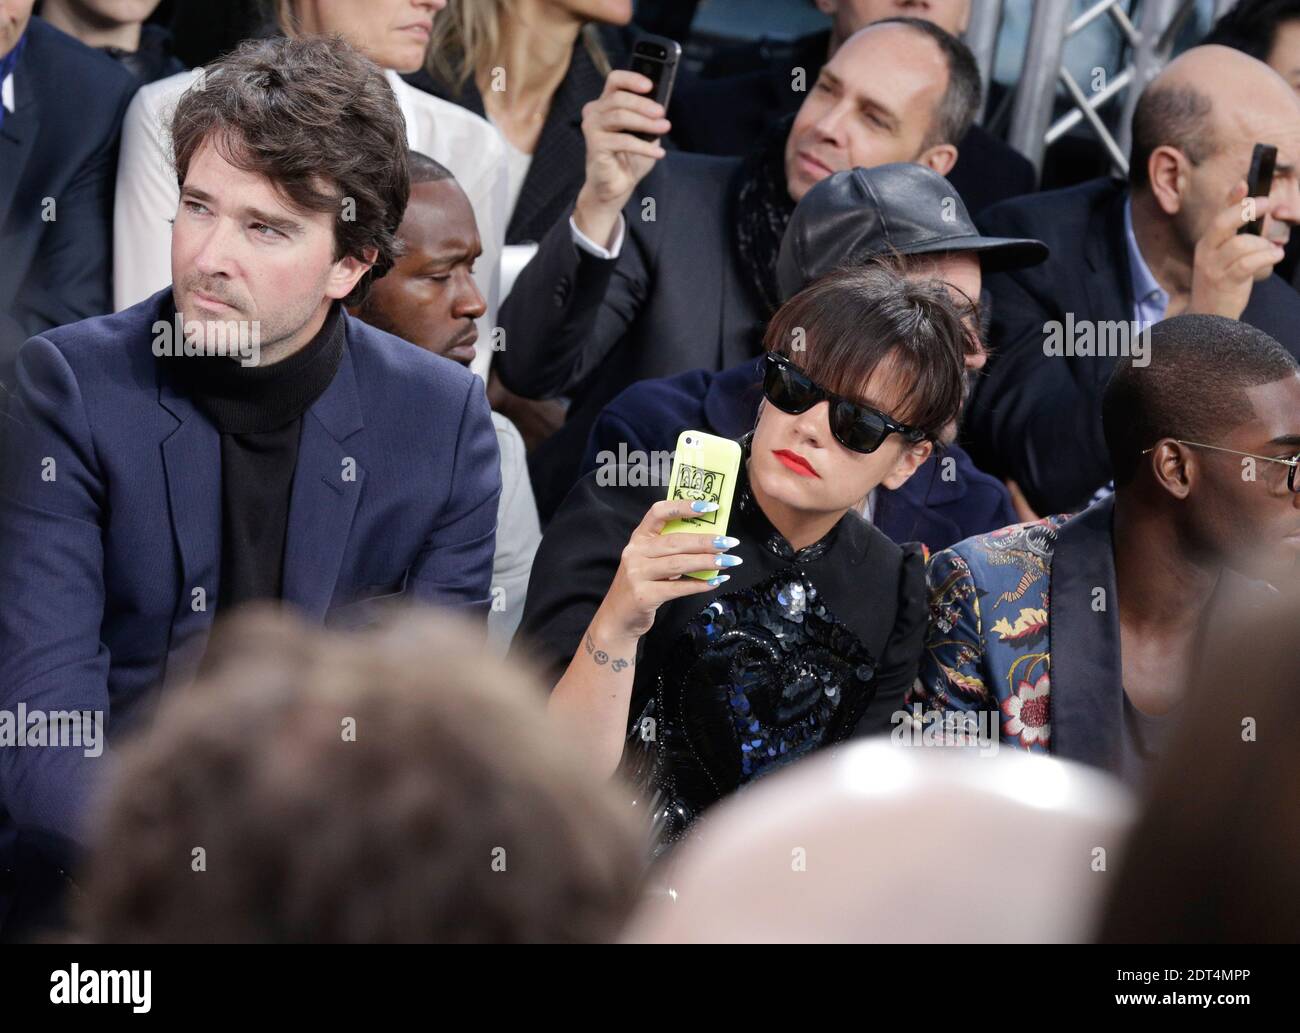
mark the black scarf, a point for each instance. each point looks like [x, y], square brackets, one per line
[763, 209]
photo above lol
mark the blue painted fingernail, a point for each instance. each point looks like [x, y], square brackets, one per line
[723, 560]
[718, 580]
[702, 506]
[725, 541]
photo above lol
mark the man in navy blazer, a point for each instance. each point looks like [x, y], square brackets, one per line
[166, 463]
[60, 117]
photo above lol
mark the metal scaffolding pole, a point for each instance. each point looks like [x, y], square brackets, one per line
[1161, 20]
[1050, 27]
[1036, 91]
[982, 38]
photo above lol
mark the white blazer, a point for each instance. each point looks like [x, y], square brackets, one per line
[148, 195]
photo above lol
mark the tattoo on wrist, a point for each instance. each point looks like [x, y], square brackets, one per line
[602, 658]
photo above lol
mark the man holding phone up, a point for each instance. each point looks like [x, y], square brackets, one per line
[1124, 256]
[668, 262]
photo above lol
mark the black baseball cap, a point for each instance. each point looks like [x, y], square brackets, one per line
[859, 214]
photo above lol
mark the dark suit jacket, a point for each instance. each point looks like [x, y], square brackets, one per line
[929, 508]
[1037, 418]
[59, 142]
[728, 116]
[559, 162]
[675, 299]
[110, 523]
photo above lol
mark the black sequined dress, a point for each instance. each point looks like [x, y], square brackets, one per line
[799, 650]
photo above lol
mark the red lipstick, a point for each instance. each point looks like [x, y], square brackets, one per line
[796, 462]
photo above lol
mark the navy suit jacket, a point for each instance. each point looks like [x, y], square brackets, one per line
[1037, 418]
[59, 143]
[110, 523]
[928, 508]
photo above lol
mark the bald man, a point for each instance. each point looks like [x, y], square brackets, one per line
[1125, 255]
[746, 89]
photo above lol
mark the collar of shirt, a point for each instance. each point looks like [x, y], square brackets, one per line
[1149, 299]
[401, 90]
[868, 505]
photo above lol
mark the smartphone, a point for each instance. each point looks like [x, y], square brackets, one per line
[1260, 180]
[705, 467]
[656, 58]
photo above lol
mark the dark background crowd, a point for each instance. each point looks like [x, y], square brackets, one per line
[345, 350]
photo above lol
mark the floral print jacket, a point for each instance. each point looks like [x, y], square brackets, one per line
[1024, 624]
[989, 645]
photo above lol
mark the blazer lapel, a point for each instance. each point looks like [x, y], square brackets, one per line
[327, 485]
[18, 135]
[740, 320]
[192, 465]
[1108, 283]
[1086, 676]
[555, 174]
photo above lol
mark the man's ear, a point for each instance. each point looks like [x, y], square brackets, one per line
[347, 271]
[827, 7]
[1174, 467]
[909, 461]
[1167, 176]
[941, 157]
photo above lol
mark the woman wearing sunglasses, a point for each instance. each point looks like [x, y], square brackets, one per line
[811, 630]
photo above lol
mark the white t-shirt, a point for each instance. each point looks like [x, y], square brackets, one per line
[517, 164]
[147, 193]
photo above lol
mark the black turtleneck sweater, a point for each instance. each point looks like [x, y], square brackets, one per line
[258, 411]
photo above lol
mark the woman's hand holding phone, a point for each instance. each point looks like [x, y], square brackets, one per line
[652, 570]
[594, 693]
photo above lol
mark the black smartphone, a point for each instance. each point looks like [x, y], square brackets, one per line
[656, 58]
[1260, 181]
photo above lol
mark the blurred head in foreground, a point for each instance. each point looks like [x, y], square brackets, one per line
[883, 843]
[1215, 853]
[396, 785]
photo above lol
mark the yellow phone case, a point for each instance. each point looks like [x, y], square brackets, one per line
[705, 467]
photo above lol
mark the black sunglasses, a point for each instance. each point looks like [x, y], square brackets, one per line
[855, 426]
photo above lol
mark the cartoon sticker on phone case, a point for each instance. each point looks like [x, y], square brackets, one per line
[696, 484]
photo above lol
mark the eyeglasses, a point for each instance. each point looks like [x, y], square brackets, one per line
[1294, 462]
[855, 426]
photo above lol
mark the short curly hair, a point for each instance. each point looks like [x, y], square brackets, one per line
[320, 121]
